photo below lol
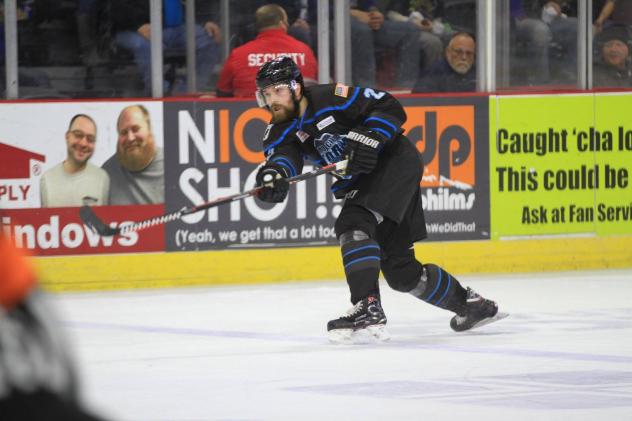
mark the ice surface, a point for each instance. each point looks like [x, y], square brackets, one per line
[261, 353]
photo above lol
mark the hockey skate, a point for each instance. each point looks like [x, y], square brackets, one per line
[364, 321]
[478, 312]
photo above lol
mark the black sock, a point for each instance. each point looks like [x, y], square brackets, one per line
[441, 289]
[361, 259]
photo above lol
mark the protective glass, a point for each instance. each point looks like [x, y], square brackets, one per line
[274, 93]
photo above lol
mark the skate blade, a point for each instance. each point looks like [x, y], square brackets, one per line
[498, 316]
[371, 334]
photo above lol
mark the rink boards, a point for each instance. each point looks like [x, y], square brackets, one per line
[131, 271]
[511, 183]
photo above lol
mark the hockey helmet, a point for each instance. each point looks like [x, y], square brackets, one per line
[279, 70]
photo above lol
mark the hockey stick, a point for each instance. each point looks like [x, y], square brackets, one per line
[93, 222]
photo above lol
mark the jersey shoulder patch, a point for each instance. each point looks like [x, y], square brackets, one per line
[341, 90]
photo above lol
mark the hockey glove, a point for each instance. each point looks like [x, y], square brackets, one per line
[362, 149]
[275, 187]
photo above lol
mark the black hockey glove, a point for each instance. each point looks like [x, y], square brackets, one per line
[362, 149]
[275, 187]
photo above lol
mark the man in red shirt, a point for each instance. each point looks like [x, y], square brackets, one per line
[238, 75]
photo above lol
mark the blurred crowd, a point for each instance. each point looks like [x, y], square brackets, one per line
[97, 48]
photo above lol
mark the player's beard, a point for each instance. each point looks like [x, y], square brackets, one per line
[282, 113]
[137, 156]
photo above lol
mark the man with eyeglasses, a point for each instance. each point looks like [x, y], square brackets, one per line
[75, 181]
[382, 214]
[456, 71]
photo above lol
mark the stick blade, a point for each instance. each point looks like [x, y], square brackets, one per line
[95, 224]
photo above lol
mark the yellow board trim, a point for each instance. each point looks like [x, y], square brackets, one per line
[157, 270]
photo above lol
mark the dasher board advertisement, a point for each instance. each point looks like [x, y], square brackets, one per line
[561, 165]
[209, 149]
[39, 201]
[452, 135]
[215, 148]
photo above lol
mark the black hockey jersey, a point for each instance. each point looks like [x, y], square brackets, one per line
[37, 374]
[319, 135]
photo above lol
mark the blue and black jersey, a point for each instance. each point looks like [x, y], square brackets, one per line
[318, 135]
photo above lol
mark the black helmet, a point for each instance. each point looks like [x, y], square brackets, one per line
[279, 70]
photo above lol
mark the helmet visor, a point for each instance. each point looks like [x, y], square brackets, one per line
[279, 93]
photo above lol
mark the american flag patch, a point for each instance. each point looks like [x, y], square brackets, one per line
[341, 90]
[302, 135]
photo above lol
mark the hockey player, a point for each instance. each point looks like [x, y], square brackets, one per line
[382, 215]
[37, 376]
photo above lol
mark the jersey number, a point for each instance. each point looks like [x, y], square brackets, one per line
[368, 92]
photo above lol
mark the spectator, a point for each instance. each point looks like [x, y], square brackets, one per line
[614, 12]
[76, 182]
[431, 31]
[2, 52]
[137, 169]
[540, 25]
[370, 31]
[87, 34]
[243, 28]
[613, 69]
[130, 21]
[237, 78]
[299, 17]
[456, 71]
[28, 76]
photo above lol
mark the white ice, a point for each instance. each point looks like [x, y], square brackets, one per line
[261, 353]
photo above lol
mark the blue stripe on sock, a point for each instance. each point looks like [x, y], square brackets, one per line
[446, 291]
[370, 246]
[436, 288]
[361, 259]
